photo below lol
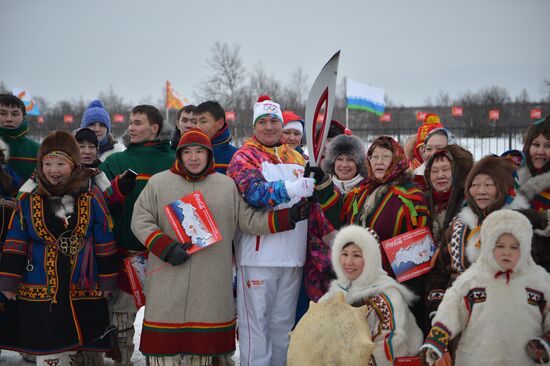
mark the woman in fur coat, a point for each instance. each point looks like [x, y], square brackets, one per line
[534, 177]
[394, 205]
[339, 190]
[498, 305]
[358, 265]
[446, 172]
[487, 189]
[59, 260]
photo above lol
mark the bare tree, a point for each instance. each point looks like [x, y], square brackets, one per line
[228, 75]
[442, 99]
[522, 97]
[296, 90]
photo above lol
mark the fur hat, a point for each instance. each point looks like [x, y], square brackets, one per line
[461, 160]
[266, 107]
[96, 113]
[349, 145]
[368, 241]
[86, 135]
[431, 122]
[506, 222]
[59, 141]
[502, 172]
[542, 126]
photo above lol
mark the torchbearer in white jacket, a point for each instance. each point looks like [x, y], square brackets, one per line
[269, 267]
[498, 305]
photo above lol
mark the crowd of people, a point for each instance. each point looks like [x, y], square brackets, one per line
[77, 204]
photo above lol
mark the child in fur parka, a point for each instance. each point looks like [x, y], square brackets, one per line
[498, 305]
[358, 265]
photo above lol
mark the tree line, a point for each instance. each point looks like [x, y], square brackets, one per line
[237, 88]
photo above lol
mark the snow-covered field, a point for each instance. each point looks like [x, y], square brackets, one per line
[8, 358]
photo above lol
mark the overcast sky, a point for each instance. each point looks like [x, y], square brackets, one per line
[69, 49]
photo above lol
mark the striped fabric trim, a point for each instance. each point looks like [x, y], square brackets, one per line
[439, 337]
[331, 201]
[189, 327]
[21, 158]
[144, 177]
[279, 220]
[159, 243]
[11, 275]
[105, 249]
[108, 275]
[379, 209]
[15, 247]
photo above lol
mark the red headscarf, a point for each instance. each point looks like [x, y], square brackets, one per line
[398, 164]
[193, 137]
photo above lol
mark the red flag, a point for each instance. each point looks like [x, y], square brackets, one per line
[494, 114]
[118, 118]
[456, 111]
[230, 116]
[536, 113]
[386, 117]
[68, 118]
[40, 119]
[421, 116]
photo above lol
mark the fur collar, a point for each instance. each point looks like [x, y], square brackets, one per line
[344, 186]
[529, 187]
[373, 280]
[471, 221]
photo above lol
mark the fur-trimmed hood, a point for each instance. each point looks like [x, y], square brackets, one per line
[345, 144]
[373, 280]
[537, 128]
[501, 170]
[506, 222]
[462, 162]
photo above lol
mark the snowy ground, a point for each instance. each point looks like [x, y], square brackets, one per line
[8, 358]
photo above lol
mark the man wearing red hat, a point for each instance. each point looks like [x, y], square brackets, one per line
[192, 295]
[269, 267]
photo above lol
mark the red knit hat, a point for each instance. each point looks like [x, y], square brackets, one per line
[193, 137]
[431, 122]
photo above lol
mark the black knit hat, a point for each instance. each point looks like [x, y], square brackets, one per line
[86, 135]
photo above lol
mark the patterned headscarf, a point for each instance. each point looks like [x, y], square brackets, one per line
[193, 137]
[398, 164]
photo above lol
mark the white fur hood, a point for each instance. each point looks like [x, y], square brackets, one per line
[373, 280]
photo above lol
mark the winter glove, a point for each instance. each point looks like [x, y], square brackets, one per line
[536, 350]
[300, 211]
[126, 183]
[300, 188]
[429, 355]
[178, 254]
[315, 172]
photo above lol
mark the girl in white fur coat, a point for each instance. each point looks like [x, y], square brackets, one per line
[499, 304]
[357, 263]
